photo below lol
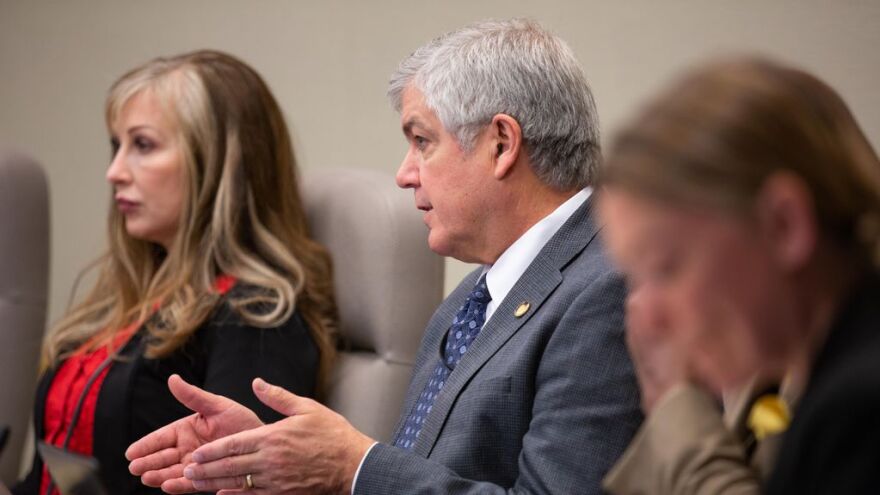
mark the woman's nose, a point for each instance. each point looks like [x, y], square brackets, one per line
[117, 172]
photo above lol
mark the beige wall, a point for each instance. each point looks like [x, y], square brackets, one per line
[328, 62]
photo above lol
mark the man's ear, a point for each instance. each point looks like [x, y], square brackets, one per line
[506, 137]
[786, 216]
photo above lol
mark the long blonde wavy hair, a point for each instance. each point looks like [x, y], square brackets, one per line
[242, 216]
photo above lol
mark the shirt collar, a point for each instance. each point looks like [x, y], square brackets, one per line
[513, 262]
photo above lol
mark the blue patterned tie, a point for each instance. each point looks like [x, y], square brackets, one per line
[465, 327]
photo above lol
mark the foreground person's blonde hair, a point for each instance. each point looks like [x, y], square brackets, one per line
[712, 139]
[242, 216]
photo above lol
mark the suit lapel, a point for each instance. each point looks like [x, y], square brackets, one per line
[534, 286]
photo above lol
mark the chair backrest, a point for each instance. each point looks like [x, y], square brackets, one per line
[24, 277]
[388, 284]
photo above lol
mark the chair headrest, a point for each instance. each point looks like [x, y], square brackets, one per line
[24, 228]
[388, 283]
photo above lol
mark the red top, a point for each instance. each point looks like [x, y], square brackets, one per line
[70, 382]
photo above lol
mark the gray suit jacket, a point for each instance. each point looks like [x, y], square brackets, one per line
[544, 403]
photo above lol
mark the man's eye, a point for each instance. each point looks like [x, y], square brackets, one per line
[420, 142]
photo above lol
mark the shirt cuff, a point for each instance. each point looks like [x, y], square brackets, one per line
[358, 472]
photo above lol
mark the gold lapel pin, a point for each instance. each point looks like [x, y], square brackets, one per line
[522, 309]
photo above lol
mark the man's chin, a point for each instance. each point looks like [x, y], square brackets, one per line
[443, 247]
[439, 245]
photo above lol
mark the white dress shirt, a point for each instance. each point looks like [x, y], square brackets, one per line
[513, 262]
[509, 267]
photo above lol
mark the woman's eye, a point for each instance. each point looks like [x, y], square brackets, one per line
[665, 267]
[143, 144]
[114, 147]
[632, 281]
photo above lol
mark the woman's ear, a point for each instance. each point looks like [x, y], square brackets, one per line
[786, 216]
[506, 136]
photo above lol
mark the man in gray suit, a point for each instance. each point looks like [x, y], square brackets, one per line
[522, 382]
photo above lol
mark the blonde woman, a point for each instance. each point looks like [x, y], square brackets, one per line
[210, 273]
[744, 206]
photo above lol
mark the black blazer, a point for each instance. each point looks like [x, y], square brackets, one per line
[223, 356]
[833, 443]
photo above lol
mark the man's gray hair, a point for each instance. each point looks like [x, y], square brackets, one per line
[518, 68]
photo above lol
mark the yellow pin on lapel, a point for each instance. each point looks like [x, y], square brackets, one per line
[522, 309]
[769, 415]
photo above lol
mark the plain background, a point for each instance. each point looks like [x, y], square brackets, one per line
[328, 63]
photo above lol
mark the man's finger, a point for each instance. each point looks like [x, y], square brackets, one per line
[163, 438]
[160, 476]
[195, 398]
[178, 485]
[159, 460]
[287, 403]
[228, 467]
[214, 484]
[237, 444]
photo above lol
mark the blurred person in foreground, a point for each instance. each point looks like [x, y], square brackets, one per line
[522, 382]
[744, 206]
[210, 273]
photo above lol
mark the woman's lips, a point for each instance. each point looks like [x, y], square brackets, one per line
[126, 205]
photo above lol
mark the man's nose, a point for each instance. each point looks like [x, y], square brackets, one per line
[408, 173]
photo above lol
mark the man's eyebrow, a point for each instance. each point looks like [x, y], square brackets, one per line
[410, 123]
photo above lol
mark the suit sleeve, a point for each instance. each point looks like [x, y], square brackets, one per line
[585, 411]
[684, 448]
[237, 353]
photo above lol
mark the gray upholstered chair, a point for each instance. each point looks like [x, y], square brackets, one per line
[388, 284]
[24, 276]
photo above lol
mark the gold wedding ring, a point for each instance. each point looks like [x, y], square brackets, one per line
[249, 482]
